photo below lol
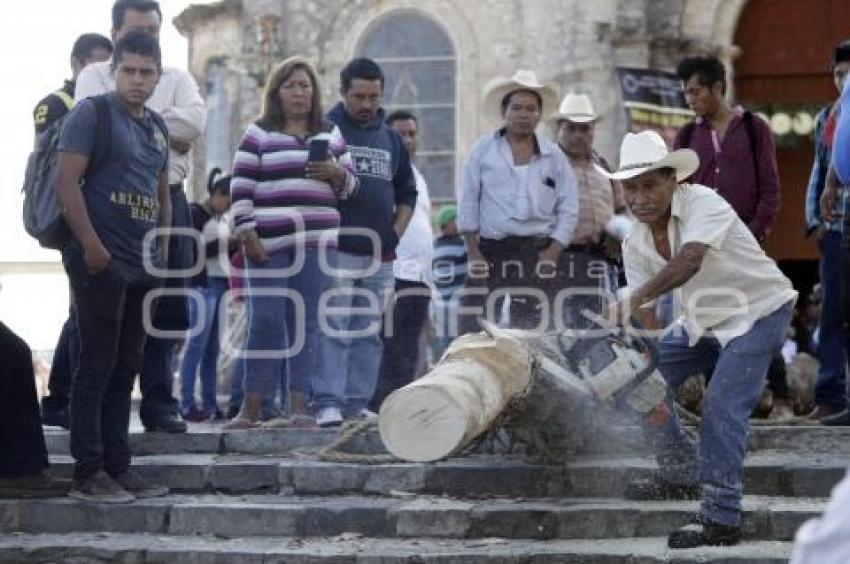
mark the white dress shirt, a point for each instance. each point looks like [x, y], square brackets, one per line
[497, 200]
[737, 283]
[176, 98]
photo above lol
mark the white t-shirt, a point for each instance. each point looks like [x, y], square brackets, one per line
[416, 247]
[737, 283]
[217, 228]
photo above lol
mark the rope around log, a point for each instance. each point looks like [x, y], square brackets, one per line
[348, 432]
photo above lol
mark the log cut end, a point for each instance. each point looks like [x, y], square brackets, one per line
[421, 424]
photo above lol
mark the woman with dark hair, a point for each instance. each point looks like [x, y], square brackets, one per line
[211, 284]
[285, 211]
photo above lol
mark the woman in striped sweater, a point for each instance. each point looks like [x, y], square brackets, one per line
[284, 210]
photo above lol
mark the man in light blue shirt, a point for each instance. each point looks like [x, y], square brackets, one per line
[518, 206]
[839, 175]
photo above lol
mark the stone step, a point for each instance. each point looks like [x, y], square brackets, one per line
[764, 518]
[766, 473]
[349, 549]
[209, 438]
[206, 438]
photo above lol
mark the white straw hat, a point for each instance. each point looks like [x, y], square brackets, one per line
[498, 88]
[576, 108]
[645, 151]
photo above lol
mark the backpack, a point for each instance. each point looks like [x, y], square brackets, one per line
[42, 212]
[752, 133]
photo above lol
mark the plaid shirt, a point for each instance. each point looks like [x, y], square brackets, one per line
[817, 181]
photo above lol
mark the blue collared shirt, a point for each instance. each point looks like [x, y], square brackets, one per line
[817, 180]
[496, 201]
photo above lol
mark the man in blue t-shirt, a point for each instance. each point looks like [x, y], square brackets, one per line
[113, 194]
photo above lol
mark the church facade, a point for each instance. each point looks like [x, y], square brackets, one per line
[439, 55]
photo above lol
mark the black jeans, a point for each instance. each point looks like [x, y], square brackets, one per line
[512, 264]
[112, 335]
[401, 344]
[64, 365]
[22, 450]
[172, 314]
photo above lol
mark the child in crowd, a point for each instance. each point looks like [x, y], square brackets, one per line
[449, 271]
[210, 285]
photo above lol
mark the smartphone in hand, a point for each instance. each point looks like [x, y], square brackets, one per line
[318, 151]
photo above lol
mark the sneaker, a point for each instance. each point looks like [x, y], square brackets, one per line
[701, 532]
[100, 488]
[656, 488]
[361, 414]
[138, 486]
[329, 417]
[194, 415]
[840, 419]
[232, 412]
[166, 423]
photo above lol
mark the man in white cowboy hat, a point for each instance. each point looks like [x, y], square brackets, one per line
[592, 252]
[737, 306]
[517, 203]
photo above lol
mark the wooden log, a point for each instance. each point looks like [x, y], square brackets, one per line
[563, 383]
[459, 399]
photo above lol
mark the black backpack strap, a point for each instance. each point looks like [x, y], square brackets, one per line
[103, 139]
[752, 133]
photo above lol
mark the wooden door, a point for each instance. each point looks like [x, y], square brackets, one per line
[783, 70]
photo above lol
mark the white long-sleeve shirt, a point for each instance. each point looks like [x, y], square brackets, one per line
[498, 199]
[415, 248]
[176, 98]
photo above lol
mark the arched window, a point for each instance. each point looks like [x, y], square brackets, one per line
[418, 59]
[217, 131]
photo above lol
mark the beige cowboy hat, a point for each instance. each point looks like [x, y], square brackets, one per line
[498, 88]
[645, 151]
[576, 108]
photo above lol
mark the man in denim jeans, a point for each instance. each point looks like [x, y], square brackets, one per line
[737, 306]
[351, 348]
[111, 215]
[826, 230]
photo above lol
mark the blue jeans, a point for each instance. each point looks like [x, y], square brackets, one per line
[831, 390]
[735, 387]
[351, 355]
[202, 349]
[276, 324]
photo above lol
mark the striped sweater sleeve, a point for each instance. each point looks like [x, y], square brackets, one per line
[246, 175]
[339, 149]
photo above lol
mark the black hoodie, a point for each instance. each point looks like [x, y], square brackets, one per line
[386, 181]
